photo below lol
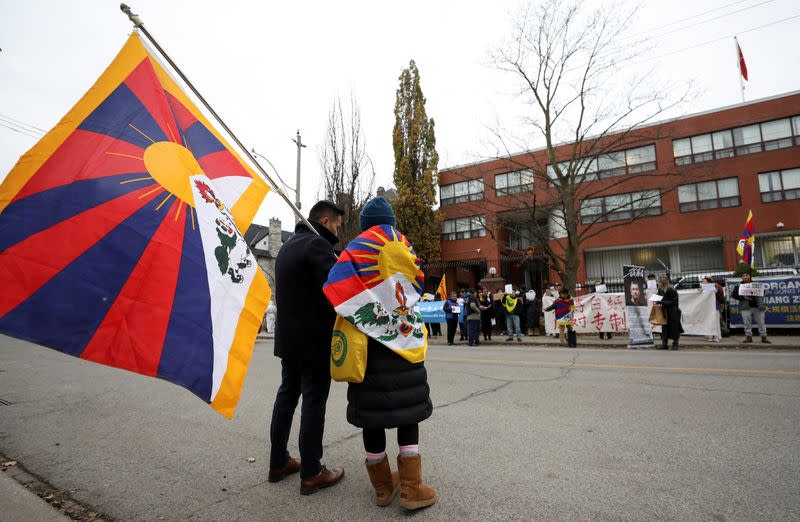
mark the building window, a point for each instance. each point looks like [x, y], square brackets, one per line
[621, 206]
[779, 251]
[631, 161]
[709, 194]
[462, 192]
[513, 182]
[769, 135]
[464, 228]
[779, 185]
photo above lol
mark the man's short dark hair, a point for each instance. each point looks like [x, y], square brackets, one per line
[323, 209]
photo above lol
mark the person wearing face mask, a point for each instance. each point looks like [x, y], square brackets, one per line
[303, 334]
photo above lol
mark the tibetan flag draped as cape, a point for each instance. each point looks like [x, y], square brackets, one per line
[120, 242]
[746, 245]
[375, 285]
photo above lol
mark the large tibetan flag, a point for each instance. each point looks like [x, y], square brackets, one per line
[746, 245]
[375, 285]
[120, 242]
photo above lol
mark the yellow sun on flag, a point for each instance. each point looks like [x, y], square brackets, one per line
[394, 255]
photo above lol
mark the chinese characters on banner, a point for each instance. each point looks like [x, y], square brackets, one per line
[593, 313]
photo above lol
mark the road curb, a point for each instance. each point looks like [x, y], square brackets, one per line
[59, 500]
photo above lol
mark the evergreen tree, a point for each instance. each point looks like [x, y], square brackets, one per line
[415, 168]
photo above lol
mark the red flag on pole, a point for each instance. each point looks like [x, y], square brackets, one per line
[742, 65]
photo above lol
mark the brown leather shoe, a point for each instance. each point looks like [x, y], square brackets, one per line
[277, 474]
[325, 479]
[748, 339]
[765, 340]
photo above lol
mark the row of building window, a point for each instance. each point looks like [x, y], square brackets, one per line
[758, 137]
[720, 193]
[621, 206]
[464, 228]
[631, 161]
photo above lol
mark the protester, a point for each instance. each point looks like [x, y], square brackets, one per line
[499, 311]
[719, 301]
[669, 303]
[462, 319]
[436, 328]
[563, 306]
[511, 306]
[473, 318]
[487, 314]
[394, 394]
[534, 313]
[303, 342]
[600, 288]
[750, 307]
[452, 311]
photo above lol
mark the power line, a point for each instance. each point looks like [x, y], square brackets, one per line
[9, 118]
[656, 30]
[21, 127]
[3, 124]
[657, 36]
[715, 40]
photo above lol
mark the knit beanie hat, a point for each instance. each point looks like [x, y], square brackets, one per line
[377, 211]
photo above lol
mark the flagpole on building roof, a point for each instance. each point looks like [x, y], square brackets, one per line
[739, 65]
[139, 25]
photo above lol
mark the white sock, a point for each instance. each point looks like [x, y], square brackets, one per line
[372, 458]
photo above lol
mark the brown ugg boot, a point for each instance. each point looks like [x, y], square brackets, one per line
[384, 480]
[413, 493]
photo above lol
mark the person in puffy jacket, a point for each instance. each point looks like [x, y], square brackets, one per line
[393, 394]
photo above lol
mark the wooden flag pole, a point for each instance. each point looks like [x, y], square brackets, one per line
[139, 25]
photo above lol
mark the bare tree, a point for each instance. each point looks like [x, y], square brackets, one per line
[567, 61]
[348, 174]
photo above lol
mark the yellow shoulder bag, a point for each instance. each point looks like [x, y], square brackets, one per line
[348, 352]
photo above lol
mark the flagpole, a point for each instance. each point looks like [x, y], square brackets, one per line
[739, 65]
[139, 25]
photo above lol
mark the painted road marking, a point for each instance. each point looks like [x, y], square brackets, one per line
[505, 362]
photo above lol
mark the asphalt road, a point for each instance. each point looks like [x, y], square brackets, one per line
[518, 433]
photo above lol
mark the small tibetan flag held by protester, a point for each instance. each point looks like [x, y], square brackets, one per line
[746, 245]
[120, 242]
[375, 286]
[442, 290]
[742, 65]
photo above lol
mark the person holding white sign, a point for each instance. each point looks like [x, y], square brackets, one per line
[451, 313]
[751, 306]
[600, 288]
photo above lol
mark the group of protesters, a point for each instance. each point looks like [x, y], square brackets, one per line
[476, 313]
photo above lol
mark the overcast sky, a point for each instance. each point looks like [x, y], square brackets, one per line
[270, 68]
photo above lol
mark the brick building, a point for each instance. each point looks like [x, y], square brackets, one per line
[690, 181]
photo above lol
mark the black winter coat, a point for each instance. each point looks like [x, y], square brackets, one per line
[394, 392]
[305, 318]
[669, 303]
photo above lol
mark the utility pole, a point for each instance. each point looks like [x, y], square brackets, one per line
[299, 141]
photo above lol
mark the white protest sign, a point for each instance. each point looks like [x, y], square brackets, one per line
[751, 289]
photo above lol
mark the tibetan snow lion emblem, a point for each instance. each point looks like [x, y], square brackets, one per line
[232, 254]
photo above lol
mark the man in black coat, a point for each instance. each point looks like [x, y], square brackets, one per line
[303, 342]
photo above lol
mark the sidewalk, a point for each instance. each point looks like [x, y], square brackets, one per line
[21, 504]
[620, 340]
[779, 342]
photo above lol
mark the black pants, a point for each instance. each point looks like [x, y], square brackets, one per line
[437, 328]
[473, 330]
[375, 438]
[313, 382]
[451, 329]
[486, 328]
